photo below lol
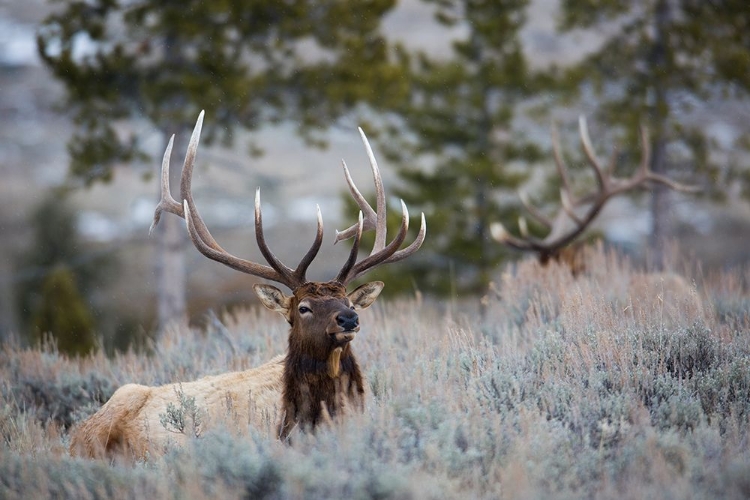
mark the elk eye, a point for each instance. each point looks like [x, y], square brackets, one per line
[304, 309]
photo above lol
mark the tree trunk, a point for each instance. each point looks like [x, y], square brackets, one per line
[171, 243]
[8, 317]
[171, 269]
[660, 195]
[659, 208]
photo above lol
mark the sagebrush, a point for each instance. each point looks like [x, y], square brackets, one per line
[598, 386]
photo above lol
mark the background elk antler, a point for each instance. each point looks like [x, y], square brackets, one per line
[579, 212]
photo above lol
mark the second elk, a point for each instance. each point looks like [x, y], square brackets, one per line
[578, 212]
[319, 377]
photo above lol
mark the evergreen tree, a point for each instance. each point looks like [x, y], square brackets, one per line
[459, 154]
[660, 60]
[63, 314]
[246, 63]
[56, 276]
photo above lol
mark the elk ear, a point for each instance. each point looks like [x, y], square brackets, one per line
[365, 295]
[274, 299]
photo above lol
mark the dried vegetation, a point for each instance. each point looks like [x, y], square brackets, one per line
[615, 384]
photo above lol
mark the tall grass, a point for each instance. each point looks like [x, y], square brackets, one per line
[614, 384]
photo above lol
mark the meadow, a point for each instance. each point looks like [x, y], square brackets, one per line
[611, 384]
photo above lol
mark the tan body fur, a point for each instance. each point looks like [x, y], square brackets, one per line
[130, 422]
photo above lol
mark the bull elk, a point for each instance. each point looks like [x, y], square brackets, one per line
[317, 379]
[578, 212]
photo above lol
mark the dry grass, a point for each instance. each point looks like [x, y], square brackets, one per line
[612, 385]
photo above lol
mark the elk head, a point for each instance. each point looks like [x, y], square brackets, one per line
[320, 370]
[578, 213]
[322, 316]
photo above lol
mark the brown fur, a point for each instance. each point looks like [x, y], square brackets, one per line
[318, 378]
[572, 256]
[312, 385]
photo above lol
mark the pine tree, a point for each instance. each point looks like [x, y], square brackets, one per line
[660, 60]
[459, 154]
[246, 63]
[63, 314]
[56, 277]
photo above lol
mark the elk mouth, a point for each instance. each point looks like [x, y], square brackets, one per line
[341, 338]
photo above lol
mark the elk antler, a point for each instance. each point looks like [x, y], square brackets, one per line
[560, 233]
[375, 219]
[206, 244]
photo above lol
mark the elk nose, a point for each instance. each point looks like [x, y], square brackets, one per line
[348, 320]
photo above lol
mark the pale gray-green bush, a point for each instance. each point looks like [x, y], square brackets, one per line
[562, 390]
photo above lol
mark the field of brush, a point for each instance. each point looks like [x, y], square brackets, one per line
[613, 384]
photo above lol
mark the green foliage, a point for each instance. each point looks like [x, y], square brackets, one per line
[457, 150]
[658, 60]
[56, 278]
[63, 314]
[247, 63]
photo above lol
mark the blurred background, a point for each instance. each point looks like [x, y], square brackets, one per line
[457, 98]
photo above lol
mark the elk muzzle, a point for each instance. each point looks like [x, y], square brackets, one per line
[347, 325]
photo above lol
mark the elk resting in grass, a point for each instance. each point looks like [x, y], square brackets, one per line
[317, 379]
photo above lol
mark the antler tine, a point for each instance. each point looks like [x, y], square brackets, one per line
[301, 270]
[539, 216]
[370, 219]
[677, 186]
[523, 227]
[415, 245]
[645, 151]
[349, 264]
[166, 203]
[375, 259]
[590, 154]
[502, 235]
[380, 208]
[568, 206]
[374, 219]
[559, 162]
[289, 279]
[658, 178]
[186, 180]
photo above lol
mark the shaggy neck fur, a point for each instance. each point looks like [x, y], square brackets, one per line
[315, 389]
[321, 380]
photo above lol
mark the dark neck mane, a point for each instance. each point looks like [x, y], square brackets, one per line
[303, 364]
[309, 387]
